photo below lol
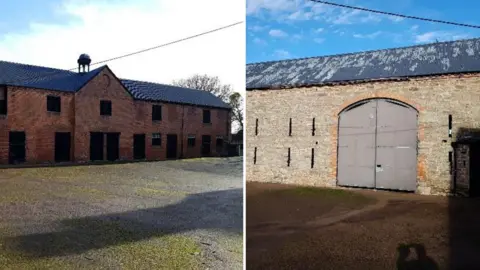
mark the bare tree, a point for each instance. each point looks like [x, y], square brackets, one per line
[207, 83]
[236, 101]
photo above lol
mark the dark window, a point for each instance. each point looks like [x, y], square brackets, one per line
[53, 104]
[256, 126]
[288, 158]
[3, 100]
[255, 156]
[313, 126]
[290, 128]
[105, 107]
[206, 117]
[449, 125]
[191, 141]
[156, 112]
[156, 139]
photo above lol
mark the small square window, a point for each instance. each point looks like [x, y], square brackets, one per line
[191, 141]
[105, 107]
[206, 117]
[53, 104]
[156, 112]
[156, 139]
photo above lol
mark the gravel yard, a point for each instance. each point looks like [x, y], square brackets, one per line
[184, 214]
[291, 227]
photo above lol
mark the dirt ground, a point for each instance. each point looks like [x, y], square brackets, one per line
[184, 214]
[292, 227]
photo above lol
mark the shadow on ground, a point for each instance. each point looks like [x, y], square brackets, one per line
[219, 210]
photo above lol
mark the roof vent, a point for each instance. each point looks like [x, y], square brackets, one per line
[84, 61]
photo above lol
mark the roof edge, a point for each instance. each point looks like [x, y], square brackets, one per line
[366, 51]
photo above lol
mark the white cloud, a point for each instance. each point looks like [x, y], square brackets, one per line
[257, 28]
[395, 18]
[301, 15]
[414, 28]
[282, 54]
[370, 36]
[106, 30]
[297, 36]
[277, 33]
[438, 36]
[318, 30]
[255, 6]
[259, 41]
[319, 40]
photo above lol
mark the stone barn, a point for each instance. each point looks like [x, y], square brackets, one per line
[384, 119]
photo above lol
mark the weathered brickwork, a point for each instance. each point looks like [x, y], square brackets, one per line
[80, 115]
[434, 98]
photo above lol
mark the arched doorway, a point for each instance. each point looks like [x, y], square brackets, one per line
[377, 145]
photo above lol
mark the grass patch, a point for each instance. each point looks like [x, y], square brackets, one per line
[112, 244]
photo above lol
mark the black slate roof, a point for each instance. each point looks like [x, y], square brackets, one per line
[67, 81]
[460, 56]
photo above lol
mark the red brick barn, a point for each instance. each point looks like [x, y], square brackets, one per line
[50, 115]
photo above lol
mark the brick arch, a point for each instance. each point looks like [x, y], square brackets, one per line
[378, 95]
[421, 165]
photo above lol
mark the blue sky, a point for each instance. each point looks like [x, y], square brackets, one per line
[283, 29]
[54, 33]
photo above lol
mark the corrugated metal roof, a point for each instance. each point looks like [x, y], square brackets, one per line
[63, 80]
[460, 56]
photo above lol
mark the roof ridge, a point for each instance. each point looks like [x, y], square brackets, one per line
[171, 85]
[366, 51]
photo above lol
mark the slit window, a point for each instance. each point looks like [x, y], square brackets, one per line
[288, 157]
[255, 155]
[206, 117]
[312, 161]
[449, 125]
[191, 141]
[53, 104]
[105, 107]
[313, 127]
[156, 112]
[290, 128]
[156, 139]
[256, 126]
[3, 100]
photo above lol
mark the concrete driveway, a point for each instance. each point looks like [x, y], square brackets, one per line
[184, 214]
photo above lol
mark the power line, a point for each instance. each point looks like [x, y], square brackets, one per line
[396, 14]
[51, 74]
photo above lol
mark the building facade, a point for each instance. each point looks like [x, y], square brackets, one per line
[380, 119]
[49, 116]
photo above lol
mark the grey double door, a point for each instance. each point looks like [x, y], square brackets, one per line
[377, 146]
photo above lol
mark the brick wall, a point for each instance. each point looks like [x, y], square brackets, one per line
[435, 98]
[80, 115]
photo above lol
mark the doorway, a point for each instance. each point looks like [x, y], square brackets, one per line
[377, 145]
[139, 146]
[62, 146]
[113, 146]
[16, 153]
[206, 145]
[96, 146]
[171, 146]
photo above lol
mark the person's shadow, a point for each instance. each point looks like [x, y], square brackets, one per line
[422, 262]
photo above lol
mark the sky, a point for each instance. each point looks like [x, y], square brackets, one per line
[286, 29]
[54, 33]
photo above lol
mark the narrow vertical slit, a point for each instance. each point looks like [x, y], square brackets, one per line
[256, 126]
[449, 125]
[450, 160]
[290, 128]
[288, 158]
[312, 161]
[255, 156]
[313, 126]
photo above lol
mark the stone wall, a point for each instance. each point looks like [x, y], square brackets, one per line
[434, 98]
